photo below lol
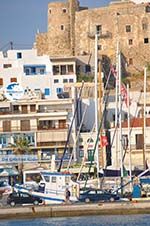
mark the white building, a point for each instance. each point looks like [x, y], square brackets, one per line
[36, 74]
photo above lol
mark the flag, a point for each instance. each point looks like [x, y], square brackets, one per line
[124, 93]
[103, 141]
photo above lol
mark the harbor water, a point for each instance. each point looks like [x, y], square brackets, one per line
[115, 220]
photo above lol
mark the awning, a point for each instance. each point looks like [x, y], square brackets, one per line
[5, 172]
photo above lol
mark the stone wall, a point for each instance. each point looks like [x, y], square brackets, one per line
[80, 25]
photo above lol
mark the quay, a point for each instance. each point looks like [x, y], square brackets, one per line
[70, 210]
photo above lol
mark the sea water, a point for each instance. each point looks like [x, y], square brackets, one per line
[115, 220]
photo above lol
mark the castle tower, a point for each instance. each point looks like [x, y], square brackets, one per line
[60, 37]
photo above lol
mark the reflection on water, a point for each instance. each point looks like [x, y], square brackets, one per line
[115, 220]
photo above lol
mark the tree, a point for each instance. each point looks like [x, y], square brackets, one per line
[21, 146]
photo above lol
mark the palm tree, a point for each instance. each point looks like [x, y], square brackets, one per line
[21, 146]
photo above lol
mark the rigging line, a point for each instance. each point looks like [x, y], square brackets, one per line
[6, 45]
[96, 143]
[69, 132]
[78, 134]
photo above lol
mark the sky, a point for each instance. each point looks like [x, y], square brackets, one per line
[20, 20]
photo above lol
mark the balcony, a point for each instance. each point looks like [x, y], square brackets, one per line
[55, 135]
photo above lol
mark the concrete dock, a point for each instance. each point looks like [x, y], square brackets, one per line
[70, 210]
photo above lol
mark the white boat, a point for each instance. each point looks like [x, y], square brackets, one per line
[52, 188]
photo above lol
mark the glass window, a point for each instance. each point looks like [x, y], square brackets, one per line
[56, 80]
[53, 179]
[56, 70]
[7, 65]
[47, 178]
[65, 80]
[19, 55]
[71, 80]
[13, 80]
[70, 69]
[144, 26]
[63, 70]
[139, 141]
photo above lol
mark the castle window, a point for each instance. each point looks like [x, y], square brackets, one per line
[62, 27]
[99, 47]
[50, 11]
[144, 26]
[146, 41]
[128, 28]
[64, 10]
[130, 41]
[130, 61]
[147, 9]
[98, 29]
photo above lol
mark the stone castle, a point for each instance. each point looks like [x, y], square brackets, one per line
[71, 30]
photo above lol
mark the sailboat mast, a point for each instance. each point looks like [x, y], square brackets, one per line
[120, 120]
[129, 136]
[96, 102]
[144, 120]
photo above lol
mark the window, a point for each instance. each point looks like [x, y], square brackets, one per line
[50, 11]
[13, 80]
[63, 70]
[130, 41]
[64, 10]
[147, 9]
[53, 179]
[98, 29]
[146, 41]
[7, 65]
[55, 70]
[25, 125]
[128, 28]
[130, 61]
[47, 91]
[59, 90]
[56, 81]
[71, 80]
[19, 55]
[99, 47]
[87, 68]
[62, 27]
[16, 108]
[70, 69]
[1, 82]
[7, 126]
[65, 80]
[24, 109]
[32, 108]
[139, 141]
[144, 26]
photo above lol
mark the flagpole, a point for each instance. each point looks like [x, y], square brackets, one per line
[129, 136]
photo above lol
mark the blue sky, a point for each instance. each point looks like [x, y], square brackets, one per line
[20, 19]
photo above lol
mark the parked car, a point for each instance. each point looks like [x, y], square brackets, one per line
[5, 188]
[97, 195]
[22, 198]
